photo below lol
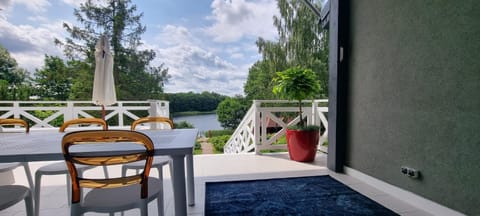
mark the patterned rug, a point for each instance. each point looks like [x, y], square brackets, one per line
[316, 195]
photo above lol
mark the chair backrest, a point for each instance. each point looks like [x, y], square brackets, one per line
[107, 137]
[151, 119]
[83, 121]
[15, 121]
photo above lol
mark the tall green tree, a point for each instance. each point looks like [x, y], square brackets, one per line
[54, 79]
[118, 19]
[301, 42]
[14, 82]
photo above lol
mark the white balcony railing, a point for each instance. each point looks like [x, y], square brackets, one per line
[47, 114]
[254, 133]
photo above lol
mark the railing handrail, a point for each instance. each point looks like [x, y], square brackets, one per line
[75, 109]
[251, 134]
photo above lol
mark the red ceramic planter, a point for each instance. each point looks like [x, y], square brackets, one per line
[302, 145]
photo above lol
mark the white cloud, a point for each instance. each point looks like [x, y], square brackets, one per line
[38, 19]
[195, 69]
[74, 3]
[175, 35]
[5, 4]
[34, 5]
[237, 55]
[235, 20]
[28, 44]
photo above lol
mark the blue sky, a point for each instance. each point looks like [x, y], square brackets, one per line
[208, 45]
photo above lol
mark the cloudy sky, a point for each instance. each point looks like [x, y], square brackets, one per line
[208, 45]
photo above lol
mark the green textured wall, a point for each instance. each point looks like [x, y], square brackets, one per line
[414, 96]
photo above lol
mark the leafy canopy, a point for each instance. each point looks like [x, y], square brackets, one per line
[296, 83]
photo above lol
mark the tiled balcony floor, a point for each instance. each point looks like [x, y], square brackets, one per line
[211, 168]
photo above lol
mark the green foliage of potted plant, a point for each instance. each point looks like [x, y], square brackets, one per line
[299, 84]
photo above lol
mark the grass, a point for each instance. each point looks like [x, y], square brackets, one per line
[198, 148]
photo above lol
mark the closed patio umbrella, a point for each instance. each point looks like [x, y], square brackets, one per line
[103, 83]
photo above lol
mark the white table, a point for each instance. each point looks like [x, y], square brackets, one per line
[46, 146]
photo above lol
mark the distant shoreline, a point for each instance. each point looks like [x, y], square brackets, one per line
[192, 113]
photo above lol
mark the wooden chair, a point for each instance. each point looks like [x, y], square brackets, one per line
[109, 195]
[15, 121]
[60, 168]
[159, 161]
[4, 167]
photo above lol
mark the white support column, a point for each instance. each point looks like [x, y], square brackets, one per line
[256, 125]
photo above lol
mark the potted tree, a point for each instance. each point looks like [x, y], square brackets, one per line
[298, 84]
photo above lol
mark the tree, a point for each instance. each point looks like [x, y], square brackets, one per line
[82, 80]
[53, 81]
[189, 101]
[134, 78]
[12, 78]
[231, 112]
[301, 42]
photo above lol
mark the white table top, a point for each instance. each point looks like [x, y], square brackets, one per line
[46, 145]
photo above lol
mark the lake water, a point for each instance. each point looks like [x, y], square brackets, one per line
[202, 122]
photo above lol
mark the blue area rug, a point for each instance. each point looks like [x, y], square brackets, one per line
[317, 195]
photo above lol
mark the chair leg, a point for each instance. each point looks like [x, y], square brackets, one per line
[170, 165]
[75, 210]
[124, 171]
[144, 207]
[38, 177]
[29, 175]
[160, 202]
[69, 189]
[105, 171]
[29, 204]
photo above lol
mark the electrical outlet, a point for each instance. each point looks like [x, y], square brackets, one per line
[410, 172]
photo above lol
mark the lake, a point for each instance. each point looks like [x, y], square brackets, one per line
[202, 122]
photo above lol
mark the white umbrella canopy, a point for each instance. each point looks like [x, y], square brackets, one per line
[103, 83]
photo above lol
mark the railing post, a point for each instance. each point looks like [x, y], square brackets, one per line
[156, 110]
[314, 114]
[16, 109]
[256, 125]
[120, 114]
[69, 113]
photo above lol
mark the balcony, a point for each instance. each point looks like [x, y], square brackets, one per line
[244, 158]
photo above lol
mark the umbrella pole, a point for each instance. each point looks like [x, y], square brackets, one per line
[103, 112]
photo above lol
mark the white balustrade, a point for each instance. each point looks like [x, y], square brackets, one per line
[252, 134]
[79, 109]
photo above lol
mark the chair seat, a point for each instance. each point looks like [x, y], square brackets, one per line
[157, 161]
[9, 166]
[120, 199]
[12, 194]
[58, 168]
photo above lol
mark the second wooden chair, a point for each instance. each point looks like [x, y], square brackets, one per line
[60, 168]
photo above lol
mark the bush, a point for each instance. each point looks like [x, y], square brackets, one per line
[219, 142]
[182, 124]
[198, 148]
[214, 133]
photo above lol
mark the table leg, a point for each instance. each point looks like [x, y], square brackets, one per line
[179, 189]
[190, 181]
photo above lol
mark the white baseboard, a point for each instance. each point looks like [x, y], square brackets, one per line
[404, 195]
